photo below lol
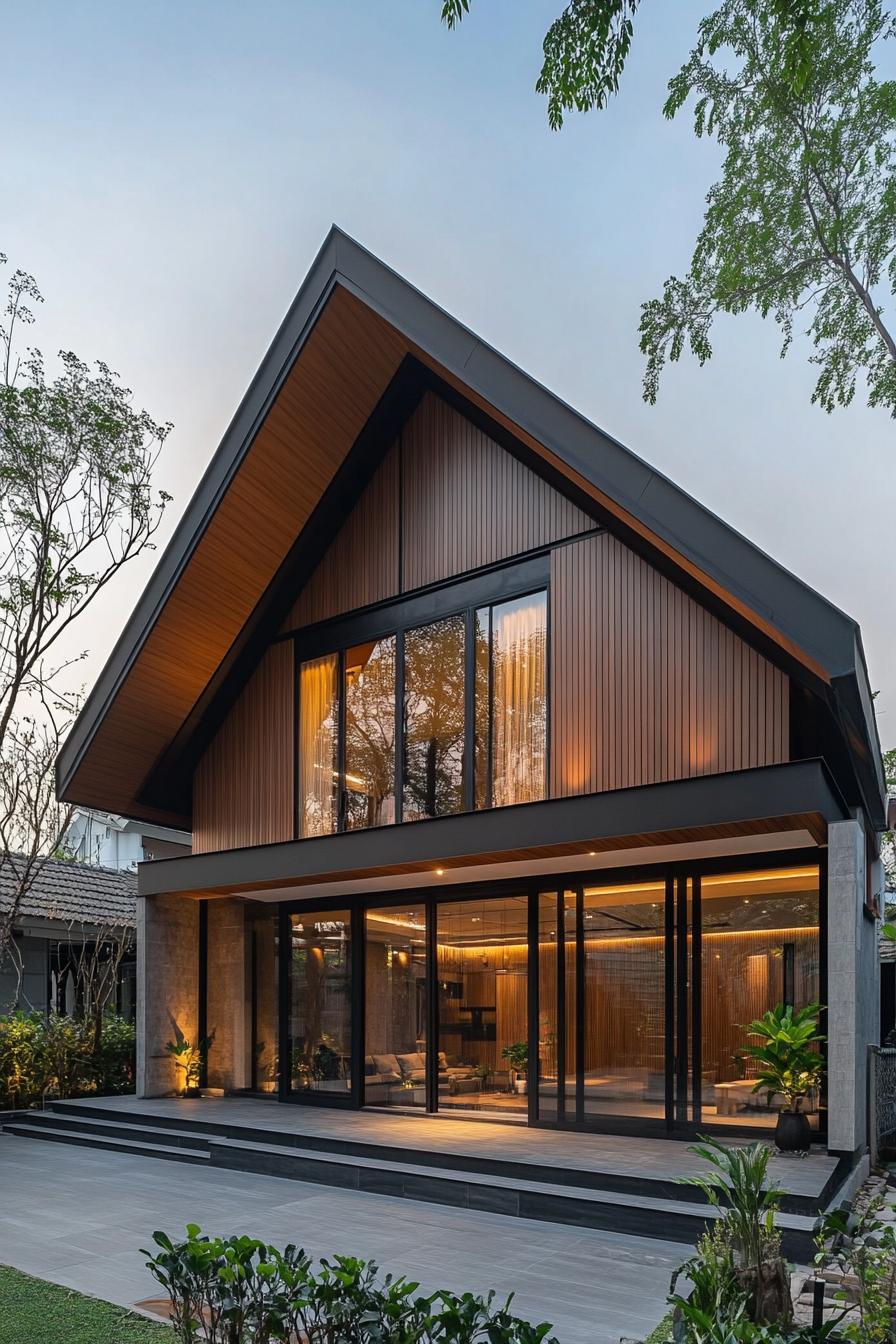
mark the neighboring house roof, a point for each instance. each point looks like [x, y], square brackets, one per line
[292, 457]
[74, 892]
[129, 826]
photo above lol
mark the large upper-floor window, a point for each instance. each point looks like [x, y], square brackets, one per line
[425, 721]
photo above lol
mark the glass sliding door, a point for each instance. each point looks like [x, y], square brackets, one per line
[556, 1063]
[623, 1025]
[760, 946]
[483, 1009]
[320, 1003]
[395, 1006]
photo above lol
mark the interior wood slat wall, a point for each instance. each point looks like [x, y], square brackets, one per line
[646, 685]
[467, 502]
[243, 786]
[361, 565]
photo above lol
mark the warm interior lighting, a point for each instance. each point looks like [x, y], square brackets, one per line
[440, 872]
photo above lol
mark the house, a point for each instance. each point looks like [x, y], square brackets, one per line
[69, 911]
[518, 781]
[110, 841]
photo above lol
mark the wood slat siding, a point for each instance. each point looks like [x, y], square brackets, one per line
[319, 412]
[467, 502]
[243, 786]
[646, 685]
[361, 565]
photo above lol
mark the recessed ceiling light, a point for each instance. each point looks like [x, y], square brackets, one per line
[591, 853]
[440, 872]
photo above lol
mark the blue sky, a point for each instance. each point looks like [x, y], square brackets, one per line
[170, 169]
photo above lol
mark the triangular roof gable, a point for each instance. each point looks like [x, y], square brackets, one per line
[356, 335]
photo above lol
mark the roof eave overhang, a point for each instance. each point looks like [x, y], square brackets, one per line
[807, 627]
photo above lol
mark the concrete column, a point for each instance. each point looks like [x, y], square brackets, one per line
[228, 995]
[167, 986]
[853, 988]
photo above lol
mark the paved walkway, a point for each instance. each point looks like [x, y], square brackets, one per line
[80, 1218]
[622, 1155]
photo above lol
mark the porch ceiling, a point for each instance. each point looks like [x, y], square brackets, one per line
[796, 800]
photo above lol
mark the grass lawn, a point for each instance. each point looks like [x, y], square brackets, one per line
[35, 1312]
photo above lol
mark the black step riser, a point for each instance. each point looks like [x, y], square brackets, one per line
[507, 1171]
[124, 1130]
[548, 1207]
[109, 1145]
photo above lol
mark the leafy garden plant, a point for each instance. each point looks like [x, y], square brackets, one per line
[787, 1054]
[754, 1280]
[189, 1059]
[237, 1290]
[58, 1056]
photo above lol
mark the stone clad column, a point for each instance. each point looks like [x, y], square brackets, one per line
[167, 986]
[228, 1014]
[853, 988]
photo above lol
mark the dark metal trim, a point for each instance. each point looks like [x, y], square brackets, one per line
[681, 1000]
[708, 800]
[533, 965]
[669, 999]
[560, 949]
[581, 987]
[202, 990]
[696, 1000]
[432, 1009]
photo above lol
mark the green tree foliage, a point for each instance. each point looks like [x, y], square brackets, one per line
[801, 225]
[76, 505]
[586, 47]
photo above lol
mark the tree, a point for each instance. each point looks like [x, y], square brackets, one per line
[888, 839]
[586, 48]
[802, 223]
[76, 505]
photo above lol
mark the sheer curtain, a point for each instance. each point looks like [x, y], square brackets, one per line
[519, 637]
[317, 745]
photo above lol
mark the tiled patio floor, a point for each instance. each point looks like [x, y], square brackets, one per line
[80, 1217]
[624, 1155]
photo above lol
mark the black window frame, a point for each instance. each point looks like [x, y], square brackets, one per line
[459, 597]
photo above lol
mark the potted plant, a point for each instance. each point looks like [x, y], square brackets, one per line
[789, 1067]
[190, 1058]
[517, 1056]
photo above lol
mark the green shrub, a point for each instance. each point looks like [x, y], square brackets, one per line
[236, 1290]
[57, 1056]
[115, 1063]
[22, 1069]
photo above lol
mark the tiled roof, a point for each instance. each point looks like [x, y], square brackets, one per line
[66, 890]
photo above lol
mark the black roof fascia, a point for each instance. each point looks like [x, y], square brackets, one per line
[825, 633]
[791, 789]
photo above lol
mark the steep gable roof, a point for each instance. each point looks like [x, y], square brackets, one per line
[327, 387]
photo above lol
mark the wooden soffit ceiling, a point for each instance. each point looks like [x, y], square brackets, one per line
[341, 345]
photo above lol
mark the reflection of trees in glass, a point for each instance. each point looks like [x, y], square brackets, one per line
[370, 734]
[434, 719]
[321, 1000]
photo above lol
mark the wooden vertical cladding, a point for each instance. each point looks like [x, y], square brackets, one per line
[243, 785]
[467, 502]
[361, 565]
[646, 685]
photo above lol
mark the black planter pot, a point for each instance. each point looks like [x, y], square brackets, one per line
[793, 1133]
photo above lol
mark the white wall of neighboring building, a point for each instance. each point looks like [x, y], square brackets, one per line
[110, 841]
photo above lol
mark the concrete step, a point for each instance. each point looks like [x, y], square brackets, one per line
[29, 1130]
[534, 1197]
[172, 1137]
[501, 1171]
